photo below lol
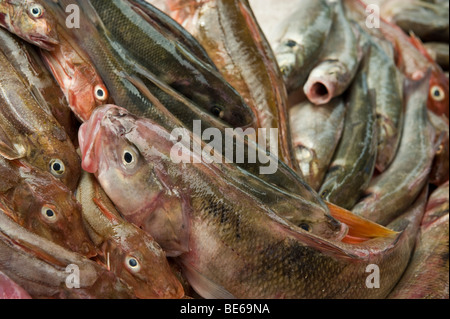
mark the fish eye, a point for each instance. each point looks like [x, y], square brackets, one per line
[324, 194]
[36, 10]
[57, 167]
[100, 93]
[437, 93]
[132, 263]
[217, 110]
[48, 213]
[129, 157]
[291, 43]
[305, 226]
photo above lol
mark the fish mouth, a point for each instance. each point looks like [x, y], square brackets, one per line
[320, 91]
[87, 136]
[44, 43]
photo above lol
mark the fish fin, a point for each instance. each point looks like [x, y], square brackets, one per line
[358, 228]
[204, 286]
[7, 148]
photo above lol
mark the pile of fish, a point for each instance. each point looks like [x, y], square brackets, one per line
[99, 199]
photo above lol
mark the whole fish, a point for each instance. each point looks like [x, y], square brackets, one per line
[77, 77]
[299, 39]
[391, 192]
[239, 49]
[384, 77]
[43, 205]
[47, 270]
[235, 250]
[410, 54]
[169, 60]
[440, 169]
[127, 250]
[26, 61]
[440, 53]
[27, 131]
[427, 275]
[428, 21]
[316, 132]
[354, 160]
[10, 290]
[338, 62]
[28, 20]
[132, 92]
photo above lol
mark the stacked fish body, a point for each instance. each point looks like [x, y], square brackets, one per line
[223, 152]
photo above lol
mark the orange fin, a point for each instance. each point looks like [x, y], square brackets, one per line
[359, 229]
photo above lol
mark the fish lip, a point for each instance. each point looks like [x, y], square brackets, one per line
[44, 42]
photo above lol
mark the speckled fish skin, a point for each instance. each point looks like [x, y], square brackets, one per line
[338, 61]
[29, 132]
[10, 290]
[384, 77]
[354, 161]
[299, 39]
[123, 242]
[308, 210]
[27, 19]
[281, 187]
[316, 132]
[170, 61]
[437, 204]
[396, 188]
[427, 275]
[235, 251]
[26, 61]
[39, 266]
[30, 193]
[239, 49]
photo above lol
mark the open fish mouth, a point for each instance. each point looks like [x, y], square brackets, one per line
[44, 43]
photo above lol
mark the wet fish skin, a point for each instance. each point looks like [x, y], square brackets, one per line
[315, 140]
[27, 19]
[440, 169]
[426, 20]
[354, 160]
[384, 77]
[338, 62]
[427, 275]
[43, 205]
[76, 75]
[306, 212]
[10, 290]
[286, 188]
[440, 53]
[411, 56]
[437, 205]
[29, 132]
[39, 266]
[171, 62]
[27, 62]
[396, 188]
[123, 242]
[259, 254]
[299, 39]
[239, 49]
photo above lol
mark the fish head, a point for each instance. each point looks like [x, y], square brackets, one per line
[142, 264]
[289, 55]
[78, 79]
[30, 21]
[112, 143]
[48, 207]
[438, 100]
[54, 152]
